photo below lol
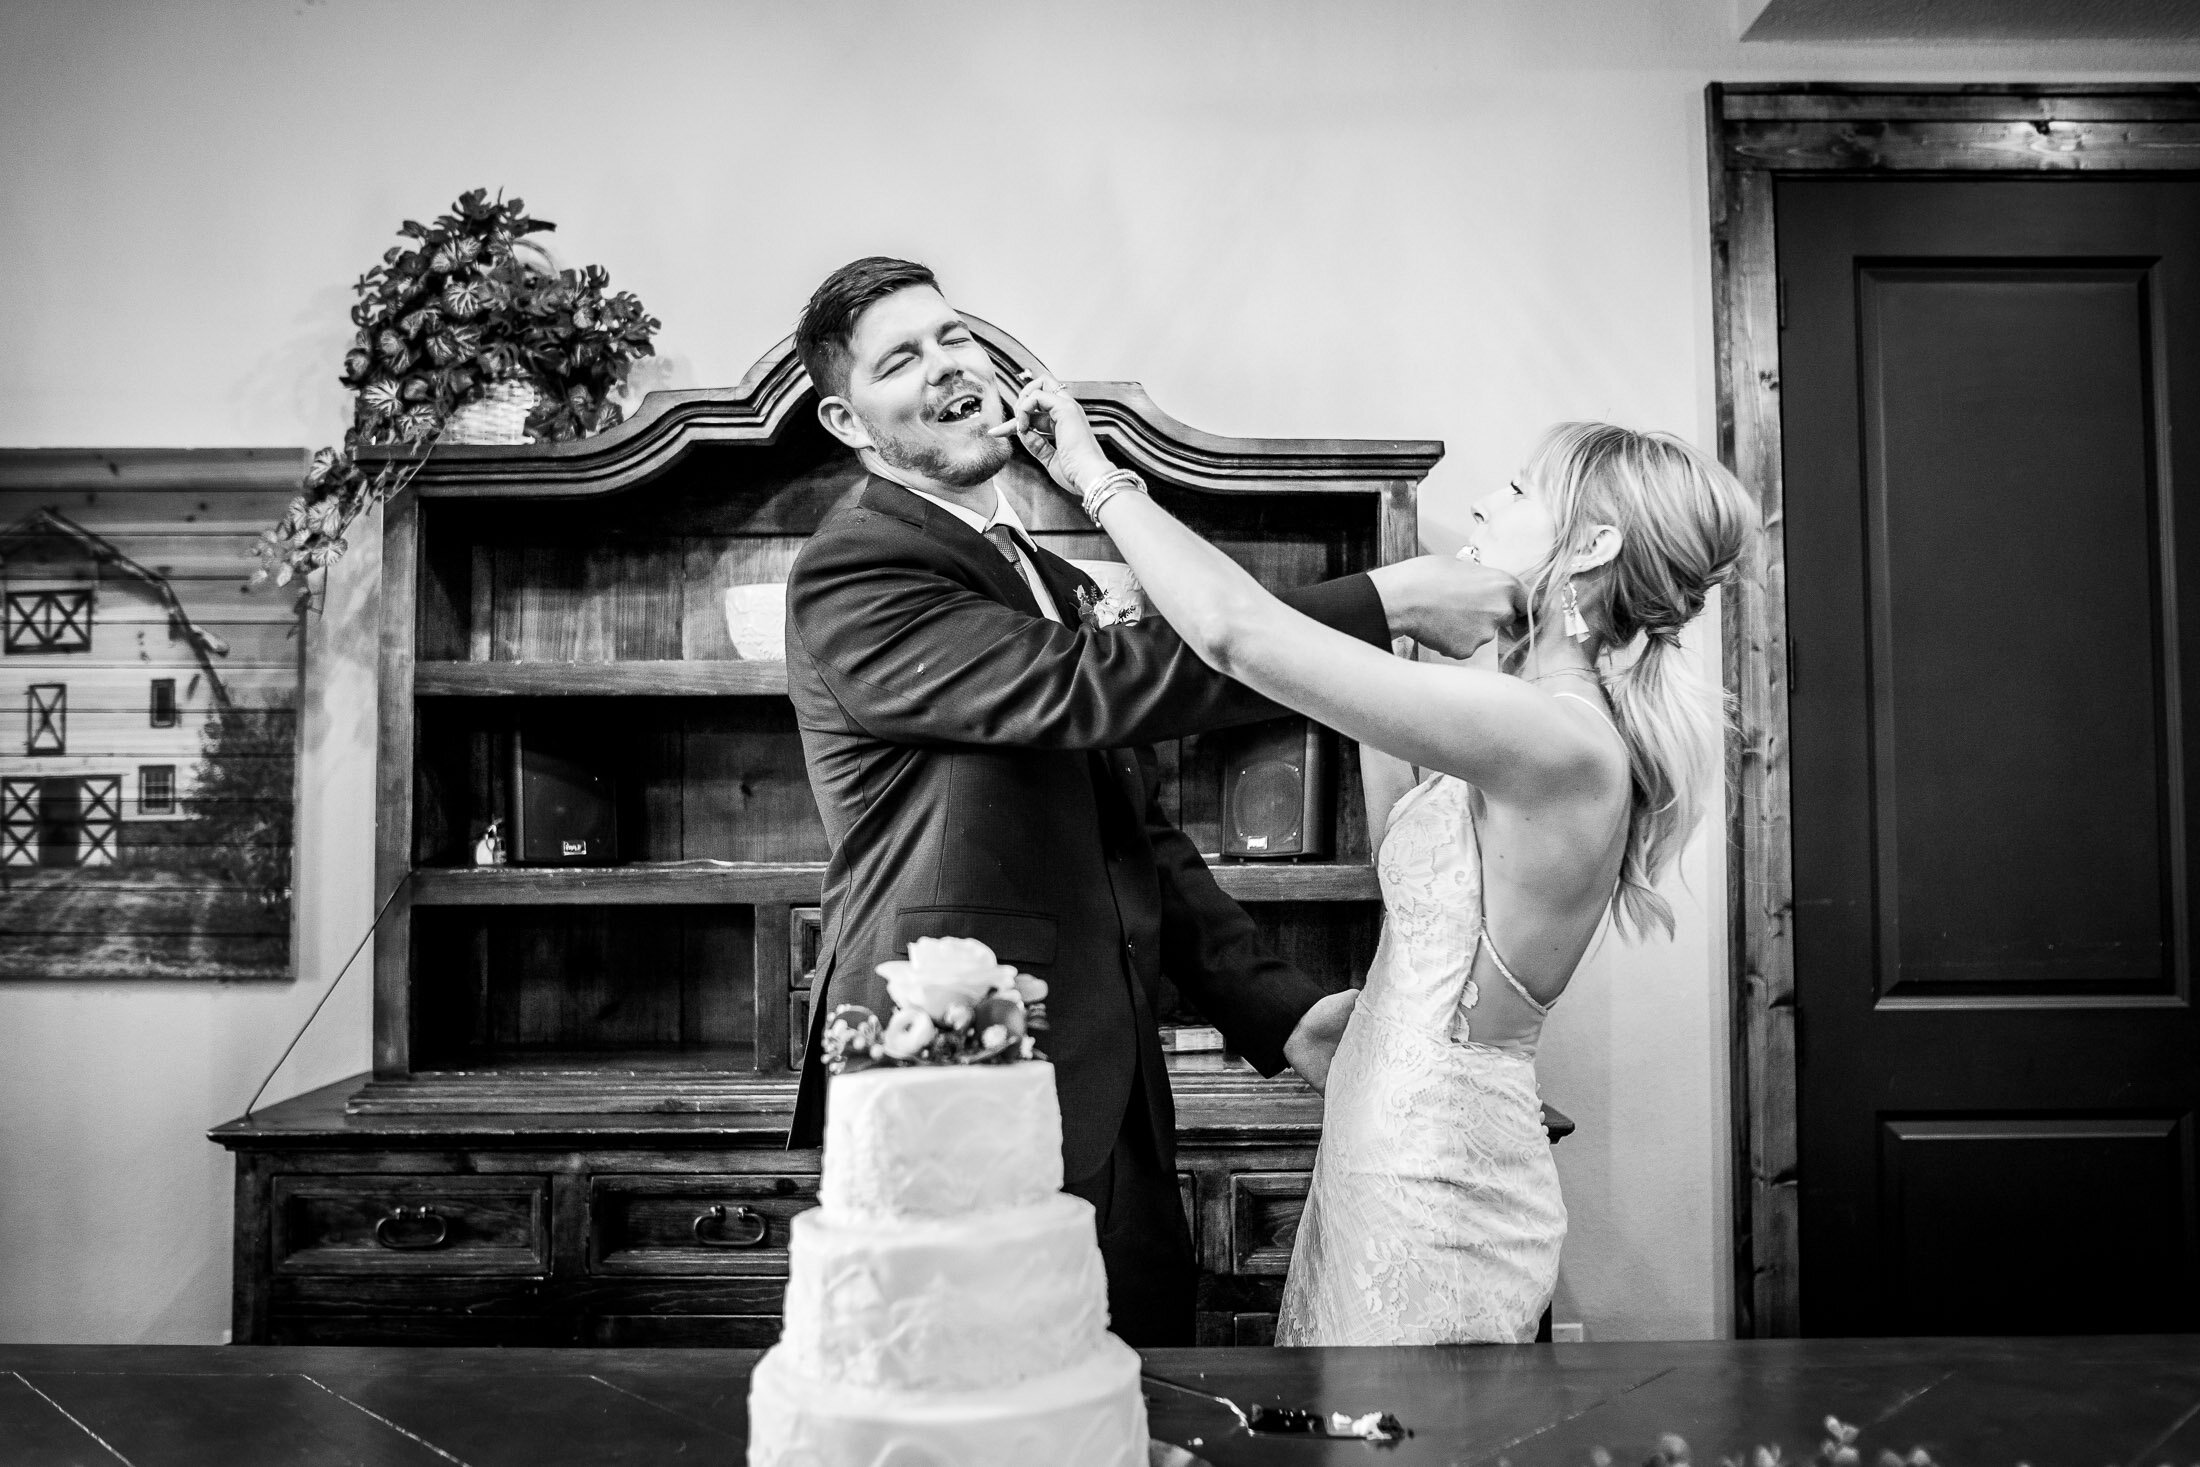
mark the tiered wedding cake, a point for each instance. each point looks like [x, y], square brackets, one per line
[946, 1302]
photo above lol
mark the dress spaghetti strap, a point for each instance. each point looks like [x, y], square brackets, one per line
[1593, 708]
[1482, 936]
[1517, 986]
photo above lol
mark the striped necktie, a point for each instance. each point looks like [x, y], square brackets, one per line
[1014, 550]
[1004, 540]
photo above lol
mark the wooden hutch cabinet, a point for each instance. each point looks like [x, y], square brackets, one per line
[575, 1127]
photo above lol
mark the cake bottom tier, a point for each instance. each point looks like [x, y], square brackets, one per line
[1091, 1415]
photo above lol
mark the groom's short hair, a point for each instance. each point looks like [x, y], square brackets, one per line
[829, 321]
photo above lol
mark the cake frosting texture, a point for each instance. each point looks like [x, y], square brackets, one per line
[941, 1141]
[1091, 1415]
[918, 1307]
[946, 1302]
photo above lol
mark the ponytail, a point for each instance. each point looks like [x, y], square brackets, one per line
[1683, 521]
[1674, 726]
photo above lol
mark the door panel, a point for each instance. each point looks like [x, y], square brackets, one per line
[1967, 1256]
[1980, 691]
[101, 798]
[21, 822]
[1998, 1059]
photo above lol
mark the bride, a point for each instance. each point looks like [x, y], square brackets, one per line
[1559, 785]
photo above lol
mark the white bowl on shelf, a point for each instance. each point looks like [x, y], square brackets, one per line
[756, 619]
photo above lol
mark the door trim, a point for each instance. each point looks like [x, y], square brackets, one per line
[1759, 132]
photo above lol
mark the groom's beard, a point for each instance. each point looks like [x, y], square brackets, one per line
[957, 465]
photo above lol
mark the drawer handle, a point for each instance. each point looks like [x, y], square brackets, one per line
[402, 1215]
[746, 1218]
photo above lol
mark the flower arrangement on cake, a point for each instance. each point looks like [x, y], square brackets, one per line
[954, 1004]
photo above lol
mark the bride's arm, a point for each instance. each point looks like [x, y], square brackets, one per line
[1494, 731]
[1384, 780]
[1491, 730]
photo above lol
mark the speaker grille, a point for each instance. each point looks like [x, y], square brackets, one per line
[1268, 801]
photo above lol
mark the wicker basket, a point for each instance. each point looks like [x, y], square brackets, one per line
[498, 414]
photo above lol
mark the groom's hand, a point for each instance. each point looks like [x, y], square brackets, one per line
[1453, 606]
[1052, 426]
[1313, 1044]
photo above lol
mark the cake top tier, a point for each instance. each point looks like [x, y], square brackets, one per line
[940, 1141]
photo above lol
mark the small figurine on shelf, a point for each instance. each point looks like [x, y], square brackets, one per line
[489, 850]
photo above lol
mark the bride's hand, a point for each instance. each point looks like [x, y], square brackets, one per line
[1052, 426]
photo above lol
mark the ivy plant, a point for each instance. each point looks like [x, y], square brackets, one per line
[469, 300]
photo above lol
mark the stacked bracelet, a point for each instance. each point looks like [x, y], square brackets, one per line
[1110, 485]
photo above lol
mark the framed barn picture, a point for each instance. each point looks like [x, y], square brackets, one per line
[148, 716]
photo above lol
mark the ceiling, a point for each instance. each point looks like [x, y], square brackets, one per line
[1970, 20]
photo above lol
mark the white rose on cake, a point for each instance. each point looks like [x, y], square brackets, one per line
[943, 974]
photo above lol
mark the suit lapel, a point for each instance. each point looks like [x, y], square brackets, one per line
[950, 533]
[887, 497]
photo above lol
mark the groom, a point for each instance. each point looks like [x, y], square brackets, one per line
[979, 757]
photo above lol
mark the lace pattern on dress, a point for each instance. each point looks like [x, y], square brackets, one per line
[1434, 1214]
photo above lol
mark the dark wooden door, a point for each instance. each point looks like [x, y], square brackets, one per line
[60, 815]
[1991, 423]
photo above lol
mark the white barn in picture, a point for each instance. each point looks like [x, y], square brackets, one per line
[114, 681]
[146, 780]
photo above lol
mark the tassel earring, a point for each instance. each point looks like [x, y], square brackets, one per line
[1569, 602]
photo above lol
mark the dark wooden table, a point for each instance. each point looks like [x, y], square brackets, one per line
[2131, 1402]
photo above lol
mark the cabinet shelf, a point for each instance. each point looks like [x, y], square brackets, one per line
[1246, 881]
[645, 884]
[670, 678]
[640, 884]
[604, 1083]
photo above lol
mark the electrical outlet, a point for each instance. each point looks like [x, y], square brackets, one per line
[1570, 1332]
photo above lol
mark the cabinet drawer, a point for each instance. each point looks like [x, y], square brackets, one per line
[1264, 1219]
[717, 1331]
[1253, 1329]
[411, 1329]
[411, 1225]
[694, 1224]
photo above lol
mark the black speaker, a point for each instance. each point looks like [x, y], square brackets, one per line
[564, 799]
[1277, 790]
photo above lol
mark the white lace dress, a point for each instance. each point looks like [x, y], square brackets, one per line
[1434, 1215]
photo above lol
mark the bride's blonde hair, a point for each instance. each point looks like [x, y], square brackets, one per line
[1683, 523]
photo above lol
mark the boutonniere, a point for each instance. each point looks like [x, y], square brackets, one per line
[1118, 605]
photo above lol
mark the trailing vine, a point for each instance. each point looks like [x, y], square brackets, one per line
[469, 301]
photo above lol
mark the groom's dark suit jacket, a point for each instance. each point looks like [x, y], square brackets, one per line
[981, 772]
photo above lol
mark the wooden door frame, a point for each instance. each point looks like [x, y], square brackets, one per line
[1760, 132]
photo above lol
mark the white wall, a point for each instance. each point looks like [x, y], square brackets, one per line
[1442, 220]
[114, 1209]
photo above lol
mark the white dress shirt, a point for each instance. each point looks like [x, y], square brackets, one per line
[1004, 513]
